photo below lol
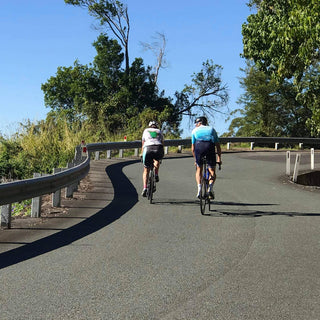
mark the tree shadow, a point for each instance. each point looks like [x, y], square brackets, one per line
[125, 197]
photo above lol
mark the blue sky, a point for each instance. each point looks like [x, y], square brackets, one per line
[37, 36]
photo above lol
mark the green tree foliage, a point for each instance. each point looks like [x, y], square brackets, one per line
[283, 39]
[71, 89]
[102, 95]
[270, 107]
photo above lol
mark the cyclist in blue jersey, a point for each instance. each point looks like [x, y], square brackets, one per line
[205, 142]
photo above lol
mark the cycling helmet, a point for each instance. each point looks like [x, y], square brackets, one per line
[203, 120]
[153, 123]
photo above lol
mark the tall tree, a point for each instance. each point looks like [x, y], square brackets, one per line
[270, 107]
[283, 39]
[114, 15]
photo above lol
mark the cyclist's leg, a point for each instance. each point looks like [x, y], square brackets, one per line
[211, 159]
[198, 151]
[158, 155]
[213, 176]
[147, 163]
[145, 176]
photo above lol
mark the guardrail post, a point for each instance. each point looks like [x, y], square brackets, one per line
[228, 145]
[56, 196]
[166, 150]
[252, 146]
[288, 164]
[108, 154]
[69, 189]
[97, 155]
[312, 158]
[121, 153]
[6, 216]
[276, 145]
[296, 168]
[36, 202]
[301, 145]
[78, 154]
[76, 184]
[179, 149]
[136, 152]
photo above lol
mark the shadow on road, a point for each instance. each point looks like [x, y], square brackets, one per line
[252, 213]
[125, 197]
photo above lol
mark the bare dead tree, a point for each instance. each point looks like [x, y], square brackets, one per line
[158, 48]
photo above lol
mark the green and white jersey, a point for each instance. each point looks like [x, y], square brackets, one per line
[152, 137]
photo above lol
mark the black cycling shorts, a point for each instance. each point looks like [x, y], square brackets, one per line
[205, 148]
[151, 153]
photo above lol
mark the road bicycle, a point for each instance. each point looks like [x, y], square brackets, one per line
[204, 194]
[151, 186]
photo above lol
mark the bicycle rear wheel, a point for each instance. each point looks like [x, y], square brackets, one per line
[151, 183]
[203, 196]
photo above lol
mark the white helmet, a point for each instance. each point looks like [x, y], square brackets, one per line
[153, 123]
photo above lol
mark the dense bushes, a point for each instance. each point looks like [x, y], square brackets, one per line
[38, 147]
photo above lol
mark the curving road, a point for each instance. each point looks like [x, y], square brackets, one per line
[255, 256]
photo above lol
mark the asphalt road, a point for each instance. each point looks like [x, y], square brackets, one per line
[115, 256]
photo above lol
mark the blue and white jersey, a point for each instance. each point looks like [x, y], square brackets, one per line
[204, 133]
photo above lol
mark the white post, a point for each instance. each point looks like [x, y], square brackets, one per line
[121, 153]
[312, 158]
[276, 145]
[6, 216]
[228, 145]
[179, 149]
[296, 168]
[97, 155]
[108, 154]
[166, 150]
[69, 189]
[56, 196]
[136, 152]
[288, 164]
[301, 145]
[252, 146]
[36, 202]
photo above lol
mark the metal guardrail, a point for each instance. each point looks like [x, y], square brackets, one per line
[26, 189]
[29, 188]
